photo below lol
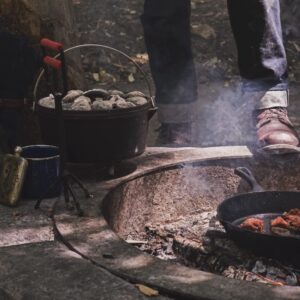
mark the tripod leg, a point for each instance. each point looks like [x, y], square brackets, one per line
[66, 190]
[77, 205]
[51, 187]
[85, 190]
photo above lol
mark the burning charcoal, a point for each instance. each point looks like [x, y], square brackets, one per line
[137, 100]
[190, 240]
[119, 102]
[82, 103]
[72, 95]
[97, 93]
[259, 267]
[292, 280]
[135, 94]
[115, 98]
[253, 224]
[102, 105]
[67, 106]
[272, 270]
[124, 104]
[47, 101]
[116, 93]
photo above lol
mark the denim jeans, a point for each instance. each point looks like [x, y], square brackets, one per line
[256, 27]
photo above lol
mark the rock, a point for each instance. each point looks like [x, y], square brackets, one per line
[72, 95]
[137, 100]
[82, 103]
[102, 105]
[47, 102]
[204, 30]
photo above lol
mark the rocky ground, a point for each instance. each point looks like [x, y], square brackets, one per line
[117, 23]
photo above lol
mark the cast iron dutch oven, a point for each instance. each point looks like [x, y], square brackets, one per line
[266, 205]
[99, 136]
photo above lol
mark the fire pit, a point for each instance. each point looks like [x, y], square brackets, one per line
[171, 213]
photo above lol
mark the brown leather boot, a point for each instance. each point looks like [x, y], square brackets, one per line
[275, 132]
[175, 134]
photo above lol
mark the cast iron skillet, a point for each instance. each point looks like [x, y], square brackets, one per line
[266, 205]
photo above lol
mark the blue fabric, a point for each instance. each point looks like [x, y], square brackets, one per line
[168, 40]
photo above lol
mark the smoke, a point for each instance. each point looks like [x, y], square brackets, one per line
[224, 116]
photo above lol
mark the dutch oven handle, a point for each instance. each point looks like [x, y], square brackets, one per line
[247, 175]
[152, 109]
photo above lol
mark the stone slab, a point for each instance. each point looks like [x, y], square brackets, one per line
[23, 224]
[50, 271]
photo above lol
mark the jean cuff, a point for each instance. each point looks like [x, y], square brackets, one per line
[266, 99]
[273, 99]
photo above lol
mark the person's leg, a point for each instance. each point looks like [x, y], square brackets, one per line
[256, 26]
[167, 37]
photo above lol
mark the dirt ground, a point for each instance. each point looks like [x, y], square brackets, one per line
[221, 119]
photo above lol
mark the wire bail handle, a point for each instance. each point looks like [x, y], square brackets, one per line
[59, 48]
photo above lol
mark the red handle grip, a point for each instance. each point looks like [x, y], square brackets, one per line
[53, 62]
[51, 44]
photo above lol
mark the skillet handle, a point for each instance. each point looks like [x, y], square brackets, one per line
[247, 175]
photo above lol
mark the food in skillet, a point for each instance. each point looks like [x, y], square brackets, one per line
[253, 224]
[288, 224]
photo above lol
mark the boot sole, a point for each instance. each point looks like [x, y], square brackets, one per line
[279, 149]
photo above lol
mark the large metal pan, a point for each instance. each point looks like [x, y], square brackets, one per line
[266, 205]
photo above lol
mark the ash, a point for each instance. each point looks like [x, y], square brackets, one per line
[199, 240]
